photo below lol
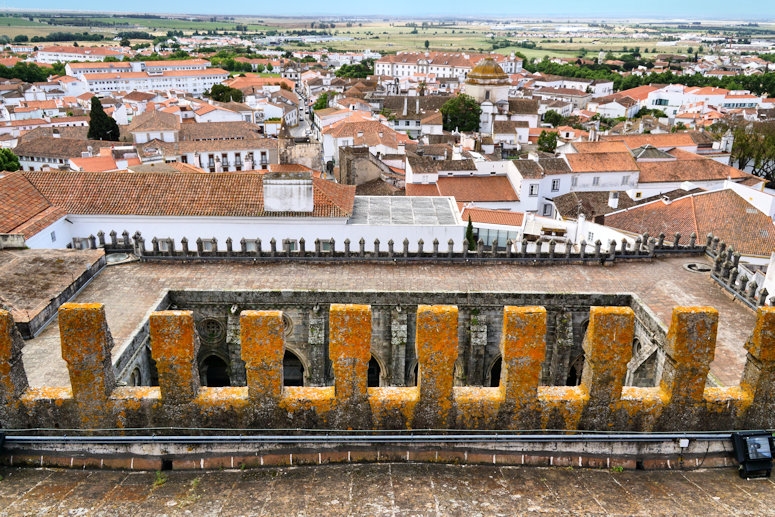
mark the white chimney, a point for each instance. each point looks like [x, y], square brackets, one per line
[288, 193]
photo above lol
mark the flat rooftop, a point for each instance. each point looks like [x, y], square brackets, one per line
[131, 291]
[405, 210]
[386, 489]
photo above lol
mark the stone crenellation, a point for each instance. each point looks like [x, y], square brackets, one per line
[680, 402]
[543, 252]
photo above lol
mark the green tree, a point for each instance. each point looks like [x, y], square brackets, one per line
[427, 44]
[125, 42]
[8, 160]
[553, 118]
[322, 102]
[470, 239]
[101, 125]
[461, 113]
[547, 141]
[223, 93]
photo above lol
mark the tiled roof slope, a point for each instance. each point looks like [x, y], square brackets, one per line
[487, 216]
[178, 194]
[601, 162]
[478, 188]
[722, 212]
[19, 201]
[687, 167]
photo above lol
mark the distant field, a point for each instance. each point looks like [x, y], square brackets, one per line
[388, 36]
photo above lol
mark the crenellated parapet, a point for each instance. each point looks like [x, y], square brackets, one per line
[601, 402]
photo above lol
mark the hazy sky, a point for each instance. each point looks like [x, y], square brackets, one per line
[556, 9]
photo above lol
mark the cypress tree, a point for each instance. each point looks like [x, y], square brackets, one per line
[101, 125]
[470, 239]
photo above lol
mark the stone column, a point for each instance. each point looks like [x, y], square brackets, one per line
[437, 349]
[477, 344]
[175, 347]
[86, 347]
[262, 334]
[233, 347]
[398, 338]
[759, 372]
[607, 350]
[317, 348]
[13, 378]
[349, 346]
[689, 349]
[523, 350]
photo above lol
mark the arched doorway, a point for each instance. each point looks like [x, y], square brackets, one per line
[293, 370]
[215, 372]
[575, 370]
[373, 373]
[495, 373]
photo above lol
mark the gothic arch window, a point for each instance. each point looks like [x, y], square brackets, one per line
[293, 370]
[374, 373]
[287, 325]
[575, 370]
[136, 378]
[495, 372]
[215, 372]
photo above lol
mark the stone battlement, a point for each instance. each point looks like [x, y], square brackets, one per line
[680, 402]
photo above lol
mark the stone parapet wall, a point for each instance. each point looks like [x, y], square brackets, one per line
[681, 402]
[550, 251]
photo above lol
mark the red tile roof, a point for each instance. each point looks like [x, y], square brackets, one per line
[601, 162]
[478, 188]
[178, 194]
[687, 167]
[487, 216]
[19, 201]
[722, 212]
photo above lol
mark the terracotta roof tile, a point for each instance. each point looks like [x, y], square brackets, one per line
[722, 212]
[20, 201]
[687, 167]
[478, 188]
[660, 140]
[419, 189]
[178, 194]
[601, 162]
[484, 215]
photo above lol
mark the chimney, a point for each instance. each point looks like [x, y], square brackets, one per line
[417, 106]
[405, 105]
[292, 192]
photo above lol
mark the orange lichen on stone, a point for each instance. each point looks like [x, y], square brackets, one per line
[57, 395]
[297, 399]
[690, 347]
[262, 337]
[607, 350]
[568, 402]
[86, 347]
[477, 408]
[13, 378]
[174, 347]
[727, 398]
[523, 350]
[387, 402]
[761, 344]
[437, 349]
[128, 395]
[350, 349]
[226, 398]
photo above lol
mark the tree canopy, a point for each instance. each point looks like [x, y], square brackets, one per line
[754, 149]
[8, 160]
[547, 141]
[461, 113]
[101, 125]
[223, 93]
[322, 102]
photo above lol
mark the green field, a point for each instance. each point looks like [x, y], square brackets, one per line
[388, 36]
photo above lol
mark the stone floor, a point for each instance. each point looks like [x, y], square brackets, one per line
[385, 489]
[130, 291]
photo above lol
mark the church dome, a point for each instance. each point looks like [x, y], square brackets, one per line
[487, 72]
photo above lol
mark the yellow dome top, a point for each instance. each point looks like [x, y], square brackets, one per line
[487, 71]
